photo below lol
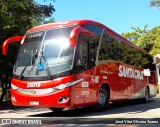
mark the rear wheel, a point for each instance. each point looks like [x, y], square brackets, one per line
[103, 99]
[146, 95]
[56, 110]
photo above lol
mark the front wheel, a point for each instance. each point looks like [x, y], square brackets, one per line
[146, 95]
[103, 99]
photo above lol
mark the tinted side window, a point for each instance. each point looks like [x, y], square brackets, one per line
[110, 48]
[137, 58]
[132, 56]
[93, 28]
[93, 48]
[82, 57]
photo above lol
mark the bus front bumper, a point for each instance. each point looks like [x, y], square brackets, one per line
[57, 99]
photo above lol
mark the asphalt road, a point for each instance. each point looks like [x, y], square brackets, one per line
[134, 113]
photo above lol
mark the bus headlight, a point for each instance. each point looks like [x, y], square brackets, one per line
[60, 87]
[63, 86]
[14, 87]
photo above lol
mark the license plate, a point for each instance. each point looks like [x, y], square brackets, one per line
[34, 102]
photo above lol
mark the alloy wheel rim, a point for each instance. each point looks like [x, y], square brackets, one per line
[101, 98]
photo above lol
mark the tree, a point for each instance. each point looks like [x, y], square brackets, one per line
[135, 34]
[16, 17]
[155, 3]
[155, 40]
[146, 39]
[20, 14]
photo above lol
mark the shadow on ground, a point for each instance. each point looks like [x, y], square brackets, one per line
[133, 106]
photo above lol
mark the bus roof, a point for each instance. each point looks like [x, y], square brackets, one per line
[80, 23]
[62, 24]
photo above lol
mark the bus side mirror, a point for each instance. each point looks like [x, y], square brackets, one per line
[8, 41]
[157, 59]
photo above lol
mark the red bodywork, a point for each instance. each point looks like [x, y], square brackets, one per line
[47, 100]
[10, 40]
[85, 92]
[79, 95]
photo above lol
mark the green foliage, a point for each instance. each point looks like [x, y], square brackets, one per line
[51, 20]
[135, 34]
[155, 3]
[146, 39]
[155, 40]
[16, 17]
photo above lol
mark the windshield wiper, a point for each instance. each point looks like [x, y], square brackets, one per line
[47, 69]
[32, 59]
[35, 55]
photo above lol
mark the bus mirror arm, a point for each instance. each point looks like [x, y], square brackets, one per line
[8, 41]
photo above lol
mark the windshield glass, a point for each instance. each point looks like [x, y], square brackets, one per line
[51, 49]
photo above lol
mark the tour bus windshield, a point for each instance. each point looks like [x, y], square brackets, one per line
[44, 53]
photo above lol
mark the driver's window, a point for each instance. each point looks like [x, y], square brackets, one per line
[82, 58]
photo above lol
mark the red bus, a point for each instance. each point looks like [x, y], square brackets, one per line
[79, 63]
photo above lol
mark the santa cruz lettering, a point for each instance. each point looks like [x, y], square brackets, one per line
[130, 72]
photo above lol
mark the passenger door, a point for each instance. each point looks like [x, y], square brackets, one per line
[84, 91]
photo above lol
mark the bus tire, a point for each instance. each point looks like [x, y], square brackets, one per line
[56, 110]
[103, 99]
[146, 95]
